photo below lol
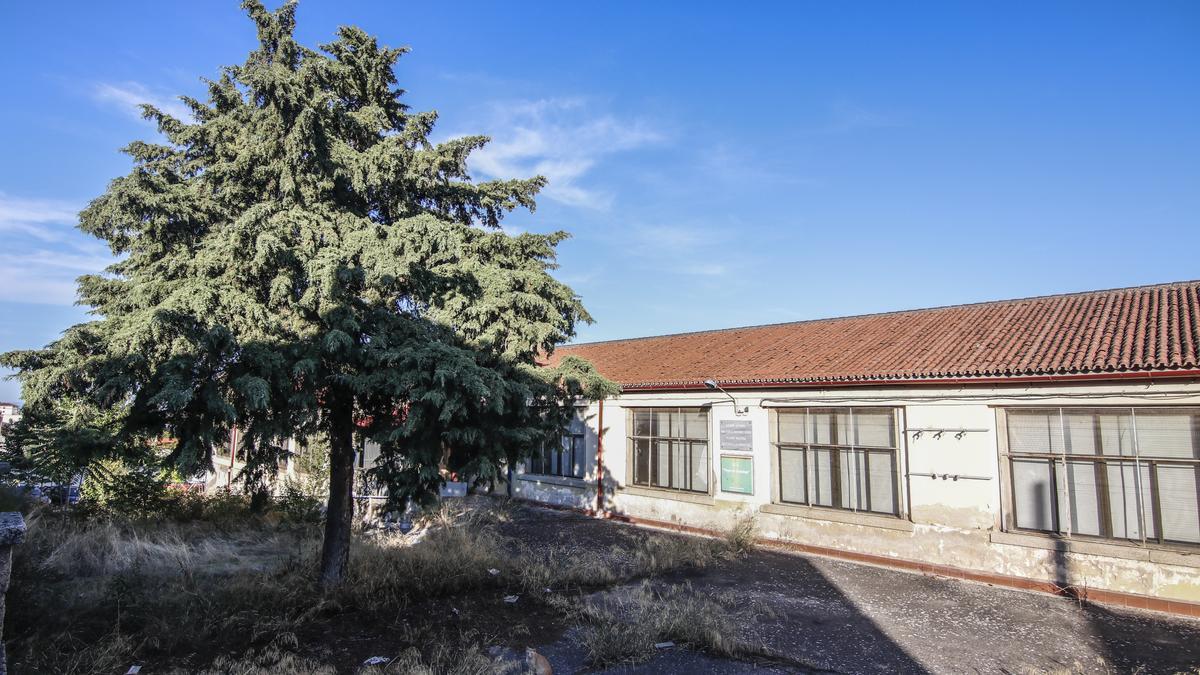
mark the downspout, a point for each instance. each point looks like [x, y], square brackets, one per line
[600, 461]
[232, 458]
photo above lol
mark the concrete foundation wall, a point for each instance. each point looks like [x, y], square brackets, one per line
[943, 521]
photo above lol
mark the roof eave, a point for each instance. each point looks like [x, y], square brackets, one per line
[1047, 378]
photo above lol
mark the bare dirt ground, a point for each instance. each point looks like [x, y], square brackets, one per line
[826, 615]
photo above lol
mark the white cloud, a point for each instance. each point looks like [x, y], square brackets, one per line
[680, 249]
[46, 277]
[557, 138]
[739, 165]
[47, 220]
[43, 252]
[129, 96]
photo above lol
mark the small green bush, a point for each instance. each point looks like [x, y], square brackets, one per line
[137, 492]
[226, 508]
[296, 506]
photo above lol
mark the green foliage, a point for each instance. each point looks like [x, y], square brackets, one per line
[296, 505]
[139, 491]
[300, 259]
[311, 462]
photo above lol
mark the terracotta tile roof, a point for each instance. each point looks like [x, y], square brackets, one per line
[1143, 329]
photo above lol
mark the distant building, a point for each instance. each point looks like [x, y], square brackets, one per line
[9, 412]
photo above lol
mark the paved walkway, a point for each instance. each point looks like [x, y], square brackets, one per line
[836, 616]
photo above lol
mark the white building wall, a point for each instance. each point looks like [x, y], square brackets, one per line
[944, 521]
[576, 493]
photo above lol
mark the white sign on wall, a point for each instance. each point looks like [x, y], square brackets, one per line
[737, 436]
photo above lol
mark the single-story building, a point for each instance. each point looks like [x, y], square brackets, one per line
[1045, 443]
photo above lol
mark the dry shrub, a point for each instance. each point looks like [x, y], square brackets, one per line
[742, 537]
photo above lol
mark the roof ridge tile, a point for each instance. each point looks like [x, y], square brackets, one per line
[1127, 329]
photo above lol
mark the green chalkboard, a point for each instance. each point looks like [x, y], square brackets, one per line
[737, 474]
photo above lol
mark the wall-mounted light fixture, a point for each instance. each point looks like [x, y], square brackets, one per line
[712, 384]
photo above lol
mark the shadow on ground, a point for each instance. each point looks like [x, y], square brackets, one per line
[836, 616]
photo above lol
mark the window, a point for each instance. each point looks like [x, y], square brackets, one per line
[367, 455]
[225, 450]
[569, 458]
[1115, 473]
[670, 448]
[841, 458]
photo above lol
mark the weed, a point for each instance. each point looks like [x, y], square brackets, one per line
[297, 506]
[742, 536]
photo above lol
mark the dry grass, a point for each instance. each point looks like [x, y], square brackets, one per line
[658, 554]
[97, 595]
[623, 627]
[571, 569]
[94, 596]
[277, 658]
[461, 658]
[108, 548]
[562, 568]
[390, 571]
[68, 654]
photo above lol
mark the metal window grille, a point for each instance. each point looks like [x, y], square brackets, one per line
[1129, 474]
[839, 458]
[670, 449]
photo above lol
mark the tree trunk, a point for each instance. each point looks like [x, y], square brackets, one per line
[339, 516]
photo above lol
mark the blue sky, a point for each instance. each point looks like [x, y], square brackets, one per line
[719, 164]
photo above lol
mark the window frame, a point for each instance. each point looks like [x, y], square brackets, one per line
[778, 447]
[1059, 460]
[632, 438]
[576, 430]
[537, 466]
